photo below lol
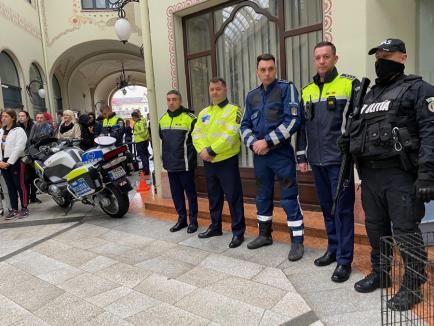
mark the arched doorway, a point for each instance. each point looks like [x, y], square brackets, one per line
[37, 101]
[87, 72]
[11, 82]
[128, 99]
[57, 94]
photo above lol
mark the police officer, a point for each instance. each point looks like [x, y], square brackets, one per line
[112, 124]
[217, 140]
[180, 159]
[272, 115]
[392, 140]
[141, 141]
[327, 102]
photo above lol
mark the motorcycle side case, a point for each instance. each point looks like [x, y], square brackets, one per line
[58, 165]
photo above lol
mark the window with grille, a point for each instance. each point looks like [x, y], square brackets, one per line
[11, 82]
[96, 4]
[225, 41]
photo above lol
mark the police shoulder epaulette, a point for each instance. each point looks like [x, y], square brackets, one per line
[254, 89]
[191, 115]
[283, 81]
[350, 77]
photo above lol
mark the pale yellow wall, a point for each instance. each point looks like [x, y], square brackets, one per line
[67, 25]
[359, 25]
[392, 19]
[349, 35]
[76, 101]
[21, 36]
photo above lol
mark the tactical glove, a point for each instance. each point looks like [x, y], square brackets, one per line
[425, 189]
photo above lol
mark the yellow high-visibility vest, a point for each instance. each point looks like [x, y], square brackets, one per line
[218, 128]
[140, 130]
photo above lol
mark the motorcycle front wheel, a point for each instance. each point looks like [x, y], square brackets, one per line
[114, 203]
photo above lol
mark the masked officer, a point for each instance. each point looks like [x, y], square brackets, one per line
[141, 141]
[180, 159]
[392, 140]
[327, 102]
[217, 140]
[112, 125]
[272, 115]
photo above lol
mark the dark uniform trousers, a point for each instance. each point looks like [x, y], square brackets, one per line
[279, 162]
[183, 182]
[388, 197]
[143, 154]
[339, 227]
[223, 179]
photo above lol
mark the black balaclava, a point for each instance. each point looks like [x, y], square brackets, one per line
[386, 69]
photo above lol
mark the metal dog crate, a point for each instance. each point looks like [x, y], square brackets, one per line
[416, 281]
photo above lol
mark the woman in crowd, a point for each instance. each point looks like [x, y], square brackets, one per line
[13, 144]
[25, 122]
[86, 135]
[68, 129]
[91, 122]
[128, 134]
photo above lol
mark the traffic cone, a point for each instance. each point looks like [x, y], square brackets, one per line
[143, 187]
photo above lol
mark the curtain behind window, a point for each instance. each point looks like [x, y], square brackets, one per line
[244, 38]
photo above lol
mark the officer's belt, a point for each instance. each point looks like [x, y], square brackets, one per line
[380, 164]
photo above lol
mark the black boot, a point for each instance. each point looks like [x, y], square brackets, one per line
[264, 238]
[415, 259]
[297, 249]
[405, 299]
[373, 281]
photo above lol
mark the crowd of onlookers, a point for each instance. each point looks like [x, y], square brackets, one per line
[17, 133]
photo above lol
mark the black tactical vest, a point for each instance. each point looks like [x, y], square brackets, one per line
[386, 127]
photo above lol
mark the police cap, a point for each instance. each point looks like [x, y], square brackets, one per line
[390, 45]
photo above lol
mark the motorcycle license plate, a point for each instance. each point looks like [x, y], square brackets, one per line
[80, 187]
[116, 173]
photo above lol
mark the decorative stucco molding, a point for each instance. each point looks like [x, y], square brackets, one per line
[171, 10]
[77, 19]
[327, 21]
[19, 21]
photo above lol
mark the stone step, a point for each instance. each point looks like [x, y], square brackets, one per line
[313, 221]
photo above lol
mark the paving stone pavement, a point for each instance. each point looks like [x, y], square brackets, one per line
[133, 271]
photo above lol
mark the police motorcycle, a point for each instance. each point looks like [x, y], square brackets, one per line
[96, 176]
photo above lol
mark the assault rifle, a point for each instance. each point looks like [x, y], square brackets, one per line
[347, 164]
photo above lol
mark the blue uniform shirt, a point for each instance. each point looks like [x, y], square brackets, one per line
[272, 114]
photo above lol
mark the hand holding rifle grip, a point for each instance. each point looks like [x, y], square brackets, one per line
[347, 161]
